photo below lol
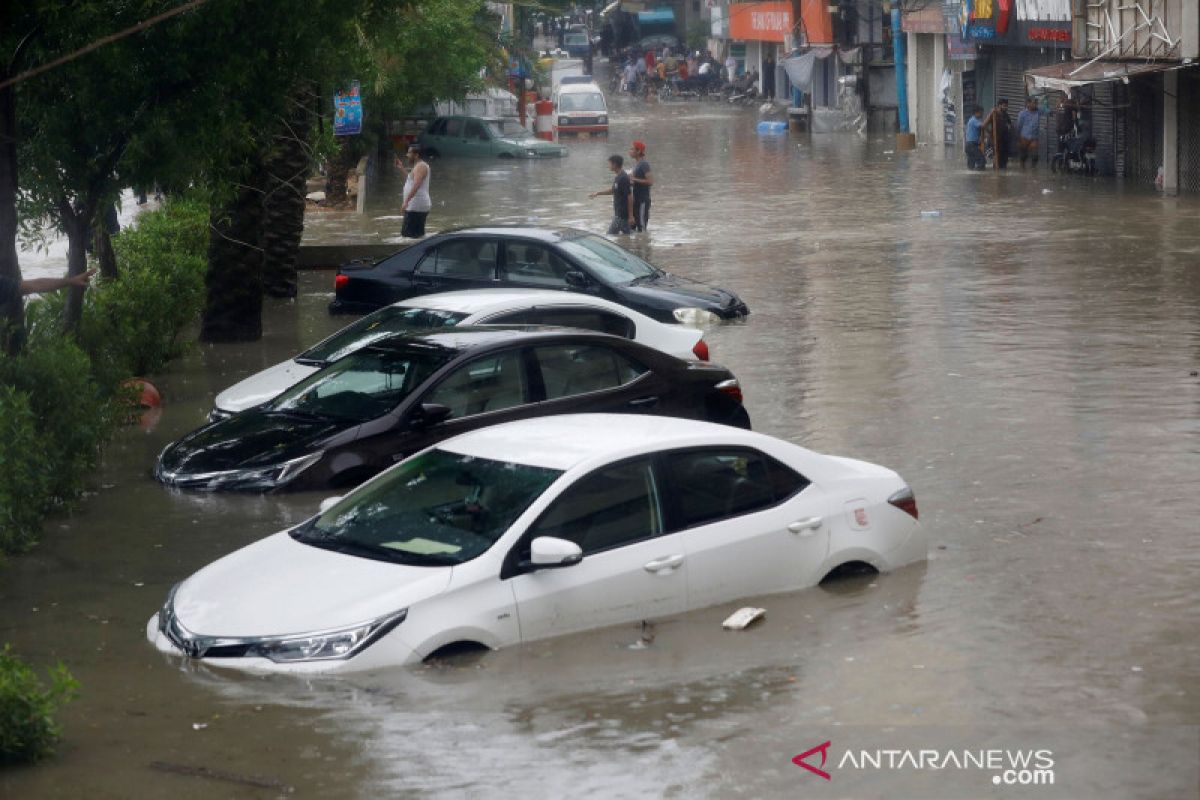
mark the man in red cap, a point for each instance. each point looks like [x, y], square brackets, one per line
[642, 180]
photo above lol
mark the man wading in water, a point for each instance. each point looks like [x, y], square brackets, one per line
[623, 218]
[642, 180]
[416, 193]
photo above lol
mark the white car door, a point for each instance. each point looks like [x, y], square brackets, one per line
[630, 571]
[752, 525]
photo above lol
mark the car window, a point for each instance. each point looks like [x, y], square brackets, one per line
[590, 319]
[474, 130]
[364, 385]
[607, 261]
[534, 264]
[437, 508]
[461, 258]
[383, 323]
[713, 484]
[438, 128]
[569, 370]
[454, 127]
[613, 506]
[491, 383]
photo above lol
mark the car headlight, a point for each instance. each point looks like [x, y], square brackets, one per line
[271, 477]
[218, 414]
[530, 152]
[564, 120]
[604, 120]
[695, 316]
[327, 645]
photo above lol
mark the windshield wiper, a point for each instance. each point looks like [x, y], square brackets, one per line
[296, 413]
[644, 278]
[311, 362]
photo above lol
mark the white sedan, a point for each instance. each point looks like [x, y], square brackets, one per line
[475, 307]
[534, 529]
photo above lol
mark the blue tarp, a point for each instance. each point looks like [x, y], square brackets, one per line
[656, 17]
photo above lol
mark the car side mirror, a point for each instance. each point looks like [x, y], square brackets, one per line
[328, 503]
[430, 414]
[576, 279]
[549, 552]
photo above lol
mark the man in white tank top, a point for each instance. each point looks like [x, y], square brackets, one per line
[417, 202]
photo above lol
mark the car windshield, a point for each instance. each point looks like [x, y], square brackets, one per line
[576, 38]
[362, 386]
[606, 261]
[591, 101]
[508, 129]
[437, 508]
[373, 327]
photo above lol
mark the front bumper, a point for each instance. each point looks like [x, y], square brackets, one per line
[568, 130]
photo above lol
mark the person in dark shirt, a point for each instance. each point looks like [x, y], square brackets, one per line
[623, 218]
[642, 179]
[1000, 125]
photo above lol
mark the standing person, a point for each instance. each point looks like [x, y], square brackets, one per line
[1000, 126]
[768, 78]
[1028, 122]
[642, 179]
[623, 219]
[731, 65]
[975, 159]
[417, 202]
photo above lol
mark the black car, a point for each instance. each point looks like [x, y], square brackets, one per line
[364, 412]
[537, 258]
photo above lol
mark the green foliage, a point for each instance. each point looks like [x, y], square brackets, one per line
[74, 417]
[24, 478]
[697, 36]
[28, 730]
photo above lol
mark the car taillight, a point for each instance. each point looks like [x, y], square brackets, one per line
[701, 350]
[906, 501]
[340, 281]
[731, 388]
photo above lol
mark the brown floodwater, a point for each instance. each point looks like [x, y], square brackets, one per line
[1027, 360]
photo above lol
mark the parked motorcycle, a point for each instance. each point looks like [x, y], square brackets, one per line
[1076, 153]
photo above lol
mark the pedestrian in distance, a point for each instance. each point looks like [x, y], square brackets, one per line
[417, 202]
[642, 179]
[1028, 123]
[998, 126]
[975, 159]
[623, 218]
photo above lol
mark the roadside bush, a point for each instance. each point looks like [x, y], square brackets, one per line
[72, 417]
[28, 731]
[24, 482]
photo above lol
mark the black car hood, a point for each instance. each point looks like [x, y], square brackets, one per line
[665, 288]
[248, 440]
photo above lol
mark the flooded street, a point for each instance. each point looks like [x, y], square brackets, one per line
[1027, 360]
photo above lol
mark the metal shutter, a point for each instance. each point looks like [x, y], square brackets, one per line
[1141, 126]
[1189, 130]
[1104, 128]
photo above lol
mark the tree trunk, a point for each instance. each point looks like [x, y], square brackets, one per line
[102, 243]
[233, 311]
[339, 170]
[77, 231]
[12, 314]
[283, 206]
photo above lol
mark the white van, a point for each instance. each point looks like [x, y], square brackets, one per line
[579, 108]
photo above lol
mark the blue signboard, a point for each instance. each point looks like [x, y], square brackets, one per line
[347, 117]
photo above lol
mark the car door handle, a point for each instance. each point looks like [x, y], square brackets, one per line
[643, 402]
[806, 527]
[664, 564]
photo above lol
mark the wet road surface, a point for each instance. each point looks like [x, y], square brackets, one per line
[1027, 360]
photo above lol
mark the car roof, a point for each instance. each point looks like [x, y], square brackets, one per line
[476, 301]
[567, 440]
[470, 337]
[517, 230]
[579, 87]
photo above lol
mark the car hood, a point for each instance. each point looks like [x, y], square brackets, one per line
[278, 586]
[533, 143]
[248, 440]
[262, 386]
[682, 293]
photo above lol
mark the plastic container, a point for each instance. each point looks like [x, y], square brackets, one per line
[772, 126]
[930, 214]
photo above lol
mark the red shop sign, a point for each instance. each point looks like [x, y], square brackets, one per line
[1050, 34]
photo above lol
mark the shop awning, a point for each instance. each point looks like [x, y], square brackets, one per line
[1070, 74]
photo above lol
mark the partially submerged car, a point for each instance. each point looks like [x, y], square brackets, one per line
[362, 413]
[473, 307]
[537, 258]
[480, 137]
[579, 108]
[534, 529]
